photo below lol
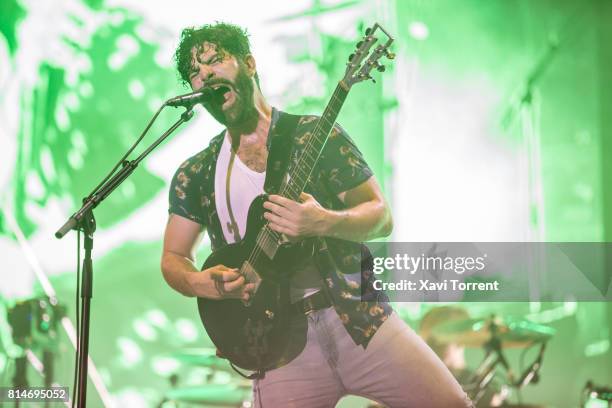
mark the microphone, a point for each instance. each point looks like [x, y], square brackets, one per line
[68, 225]
[190, 99]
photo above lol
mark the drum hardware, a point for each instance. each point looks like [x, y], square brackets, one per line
[33, 324]
[494, 334]
[593, 392]
[476, 333]
[494, 356]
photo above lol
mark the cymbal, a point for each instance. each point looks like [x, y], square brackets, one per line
[213, 394]
[513, 333]
[204, 357]
[315, 10]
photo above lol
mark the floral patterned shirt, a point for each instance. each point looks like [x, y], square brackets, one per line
[340, 167]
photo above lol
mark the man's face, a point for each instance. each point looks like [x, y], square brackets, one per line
[233, 103]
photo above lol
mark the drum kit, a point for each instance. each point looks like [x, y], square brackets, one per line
[33, 324]
[494, 335]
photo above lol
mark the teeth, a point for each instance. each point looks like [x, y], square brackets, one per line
[221, 87]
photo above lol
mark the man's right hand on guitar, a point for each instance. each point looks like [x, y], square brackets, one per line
[181, 239]
[230, 284]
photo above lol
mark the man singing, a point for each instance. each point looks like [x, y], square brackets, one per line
[352, 346]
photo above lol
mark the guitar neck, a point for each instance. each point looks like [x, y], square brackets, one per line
[301, 171]
[268, 240]
[365, 58]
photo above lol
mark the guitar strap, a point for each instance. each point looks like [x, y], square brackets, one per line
[280, 147]
[232, 224]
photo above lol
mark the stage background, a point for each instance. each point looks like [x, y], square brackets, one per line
[463, 151]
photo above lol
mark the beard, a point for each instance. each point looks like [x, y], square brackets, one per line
[241, 116]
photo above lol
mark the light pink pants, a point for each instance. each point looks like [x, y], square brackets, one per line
[397, 369]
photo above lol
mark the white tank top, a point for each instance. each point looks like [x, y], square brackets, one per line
[245, 184]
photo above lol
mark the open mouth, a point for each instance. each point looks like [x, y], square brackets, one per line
[222, 93]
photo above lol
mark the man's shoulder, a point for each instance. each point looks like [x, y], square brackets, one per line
[203, 158]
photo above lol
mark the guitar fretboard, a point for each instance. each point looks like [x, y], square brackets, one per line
[268, 240]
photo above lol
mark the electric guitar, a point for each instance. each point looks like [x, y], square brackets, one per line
[255, 335]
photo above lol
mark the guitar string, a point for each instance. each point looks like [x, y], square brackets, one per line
[268, 237]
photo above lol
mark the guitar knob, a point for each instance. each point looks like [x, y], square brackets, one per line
[269, 314]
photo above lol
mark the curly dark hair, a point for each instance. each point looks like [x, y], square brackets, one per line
[228, 38]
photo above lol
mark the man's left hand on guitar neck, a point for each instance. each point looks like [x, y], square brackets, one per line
[366, 217]
[296, 220]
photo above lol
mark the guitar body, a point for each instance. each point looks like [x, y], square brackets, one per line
[257, 336]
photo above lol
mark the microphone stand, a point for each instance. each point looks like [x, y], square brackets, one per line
[84, 220]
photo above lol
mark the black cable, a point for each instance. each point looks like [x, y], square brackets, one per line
[77, 318]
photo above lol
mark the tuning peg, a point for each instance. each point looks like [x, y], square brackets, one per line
[368, 31]
[381, 68]
[367, 76]
[351, 57]
[359, 44]
[389, 54]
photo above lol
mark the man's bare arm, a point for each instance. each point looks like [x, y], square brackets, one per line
[366, 217]
[181, 239]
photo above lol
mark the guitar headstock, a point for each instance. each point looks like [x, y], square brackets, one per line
[365, 59]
